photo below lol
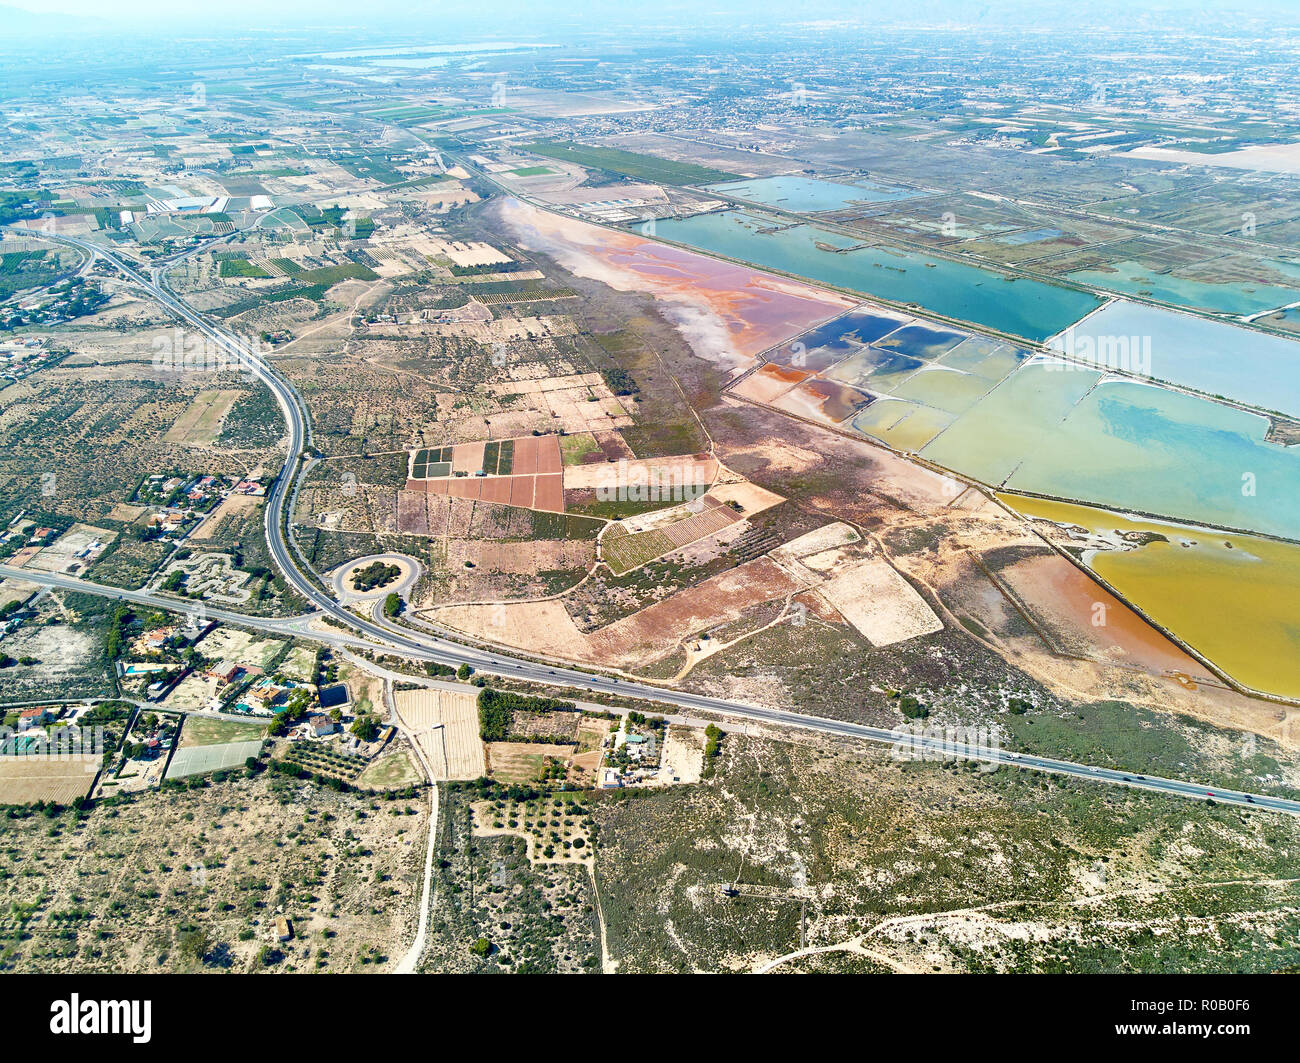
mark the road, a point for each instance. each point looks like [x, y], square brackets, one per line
[410, 962]
[411, 572]
[389, 637]
[447, 652]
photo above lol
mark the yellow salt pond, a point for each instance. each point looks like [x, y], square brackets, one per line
[1234, 598]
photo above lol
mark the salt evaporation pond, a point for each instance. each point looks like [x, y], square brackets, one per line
[800, 194]
[1209, 356]
[1017, 306]
[1055, 429]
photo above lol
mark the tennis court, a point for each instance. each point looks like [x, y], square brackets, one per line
[195, 760]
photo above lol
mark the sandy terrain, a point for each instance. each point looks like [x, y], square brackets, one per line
[683, 756]
[749, 497]
[61, 555]
[16, 590]
[688, 469]
[778, 454]
[518, 558]
[826, 537]
[546, 626]
[193, 692]
[231, 644]
[232, 504]
[880, 603]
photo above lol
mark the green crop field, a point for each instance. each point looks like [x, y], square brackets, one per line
[240, 267]
[630, 163]
[625, 552]
[209, 731]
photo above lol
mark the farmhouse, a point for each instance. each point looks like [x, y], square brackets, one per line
[321, 725]
[224, 672]
[158, 640]
[30, 718]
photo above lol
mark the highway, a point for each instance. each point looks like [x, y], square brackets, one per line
[388, 637]
[910, 744]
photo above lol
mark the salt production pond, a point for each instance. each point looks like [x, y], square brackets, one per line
[1210, 356]
[1133, 278]
[828, 343]
[1017, 306]
[807, 194]
[898, 380]
[1080, 434]
[1234, 598]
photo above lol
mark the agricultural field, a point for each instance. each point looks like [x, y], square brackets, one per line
[528, 762]
[324, 758]
[444, 723]
[26, 780]
[556, 828]
[237, 267]
[228, 853]
[23, 270]
[632, 164]
[625, 550]
[202, 422]
[209, 731]
[391, 771]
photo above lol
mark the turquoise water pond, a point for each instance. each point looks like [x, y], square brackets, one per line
[1021, 306]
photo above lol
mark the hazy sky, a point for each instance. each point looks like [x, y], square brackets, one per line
[395, 13]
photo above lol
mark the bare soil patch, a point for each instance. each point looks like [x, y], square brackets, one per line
[24, 780]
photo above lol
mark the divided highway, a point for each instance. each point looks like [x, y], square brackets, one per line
[387, 638]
